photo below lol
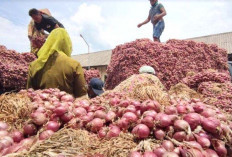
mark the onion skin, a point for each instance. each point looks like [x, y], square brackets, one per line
[170, 110]
[180, 136]
[208, 113]
[110, 116]
[60, 110]
[159, 152]
[3, 133]
[193, 120]
[66, 117]
[170, 154]
[159, 134]
[211, 153]
[211, 125]
[151, 113]
[17, 136]
[52, 125]
[96, 124]
[114, 131]
[46, 134]
[191, 153]
[123, 123]
[79, 111]
[163, 120]
[203, 141]
[141, 131]
[149, 154]
[130, 116]
[3, 126]
[135, 154]
[181, 109]
[148, 121]
[100, 114]
[181, 125]
[168, 145]
[219, 147]
[30, 129]
[39, 118]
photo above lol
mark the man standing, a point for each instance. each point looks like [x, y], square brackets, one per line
[44, 21]
[156, 14]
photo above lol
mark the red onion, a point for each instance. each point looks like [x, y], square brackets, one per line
[123, 103]
[66, 117]
[102, 132]
[84, 103]
[181, 109]
[86, 118]
[148, 121]
[219, 147]
[54, 118]
[211, 125]
[45, 134]
[150, 105]
[199, 107]
[137, 104]
[194, 144]
[191, 153]
[203, 141]
[141, 131]
[211, 153]
[135, 154]
[29, 129]
[149, 154]
[96, 124]
[3, 126]
[151, 113]
[131, 117]
[168, 145]
[163, 120]
[39, 118]
[114, 131]
[202, 134]
[159, 152]
[41, 109]
[123, 123]
[52, 125]
[3, 133]
[114, 101]
[170, 154]
[208, 113]
[181, 125]
[60, 110]
[67, 98]
[100, 114]
[130, 108]
[159, 134]
[170, 110]
[17, 136]
[44, 96]
[180, 136]
[177, 150]
[110, 116]
[79, 111]
[193, 120]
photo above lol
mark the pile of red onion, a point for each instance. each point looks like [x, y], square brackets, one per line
[14, 69]
[171, 61]
[185, 128]
[91, 73]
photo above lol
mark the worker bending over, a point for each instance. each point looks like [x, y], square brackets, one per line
[54, 67]
[95, 87]
[156, 14]
[44, 21]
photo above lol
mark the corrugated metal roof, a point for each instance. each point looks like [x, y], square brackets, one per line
[94, 59]
[223, 40]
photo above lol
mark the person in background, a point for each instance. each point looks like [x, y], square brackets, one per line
[44, 21]
[95, 87]
[147, 69]
[156, 14]
[230, 64]
[55, 68]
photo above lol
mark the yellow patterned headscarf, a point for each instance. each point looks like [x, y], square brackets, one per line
[57, 41]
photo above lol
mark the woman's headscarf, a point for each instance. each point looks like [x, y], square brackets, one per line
[57, 41]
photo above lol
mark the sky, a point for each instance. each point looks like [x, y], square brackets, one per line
[107, 23]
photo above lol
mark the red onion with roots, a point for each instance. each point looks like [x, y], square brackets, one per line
[141, 131]
[193, 120]
[163, 120]
[159, 134]
[168, 145]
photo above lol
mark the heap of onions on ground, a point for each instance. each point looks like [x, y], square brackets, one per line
[185, 127]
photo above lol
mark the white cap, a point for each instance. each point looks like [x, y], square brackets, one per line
[147, 69]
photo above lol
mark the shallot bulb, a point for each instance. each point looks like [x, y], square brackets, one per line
[141, 131]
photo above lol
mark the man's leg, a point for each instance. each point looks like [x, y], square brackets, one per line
[156, 39]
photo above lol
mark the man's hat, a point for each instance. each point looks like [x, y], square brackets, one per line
[97, 85]
[147, 69]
